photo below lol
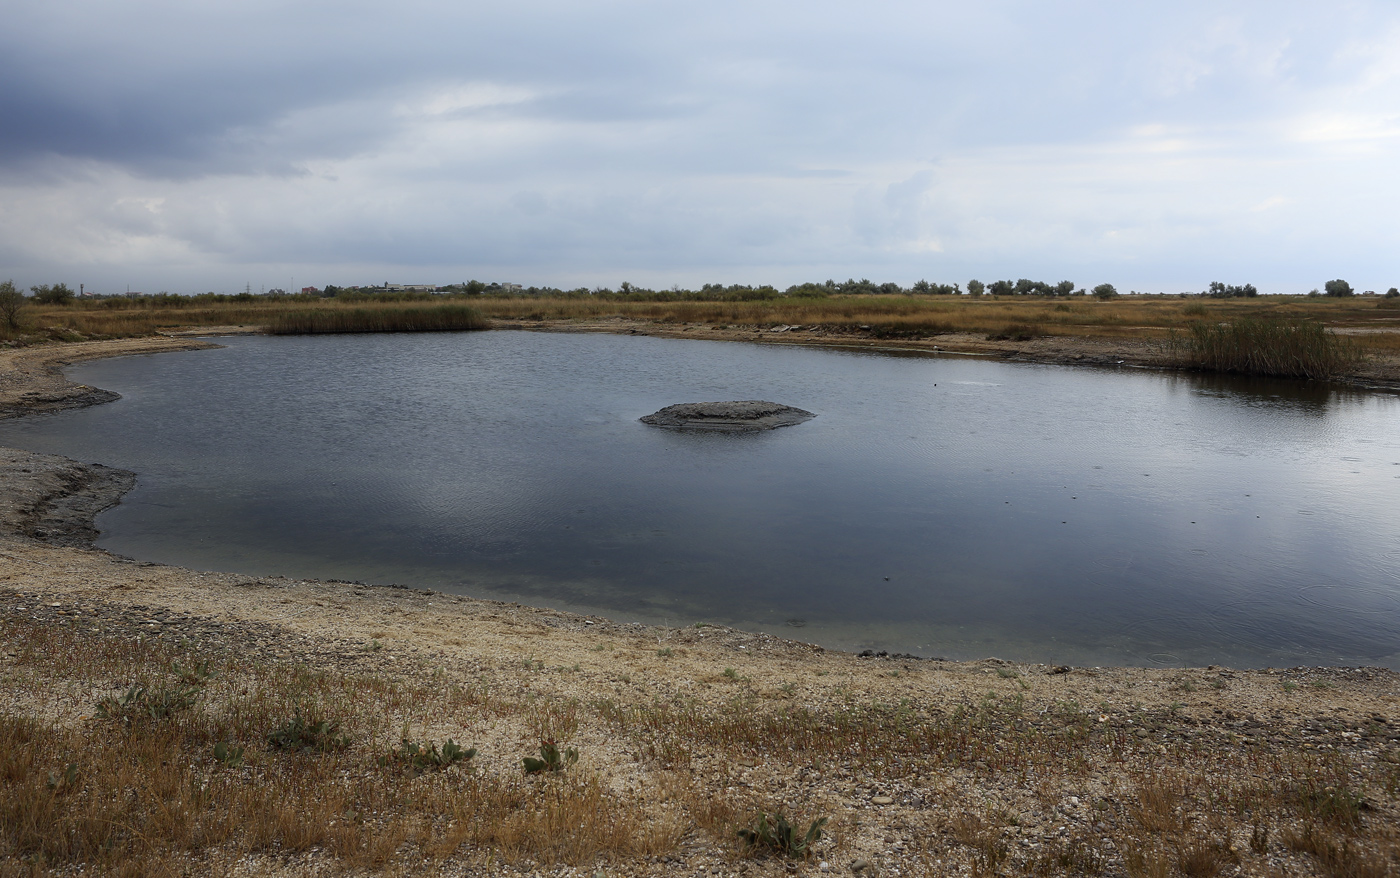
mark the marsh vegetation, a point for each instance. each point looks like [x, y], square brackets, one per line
[878, 316]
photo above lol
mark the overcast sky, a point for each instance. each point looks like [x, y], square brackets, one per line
[193, 145]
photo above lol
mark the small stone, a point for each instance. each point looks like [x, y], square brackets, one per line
[881, 800]
[860, 865]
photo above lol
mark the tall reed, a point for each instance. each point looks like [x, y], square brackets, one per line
[442, 318]
[1282, 348]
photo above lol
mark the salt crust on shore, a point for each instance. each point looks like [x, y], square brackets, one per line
[47, 569]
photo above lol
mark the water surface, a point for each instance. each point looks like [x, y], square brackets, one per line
[940, 506]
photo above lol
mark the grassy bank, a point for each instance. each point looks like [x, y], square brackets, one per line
[1275, 335]
[1148, 317]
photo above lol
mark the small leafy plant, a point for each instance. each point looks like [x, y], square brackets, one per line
[551, 758]
[62, 783]
[228, 755]
[156, 704]
[781, 837]
[196, 673]
[308, 735]
[427, 757]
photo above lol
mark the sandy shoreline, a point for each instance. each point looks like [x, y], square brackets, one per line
[50, 576]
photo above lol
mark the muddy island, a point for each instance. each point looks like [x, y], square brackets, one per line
[728, 417]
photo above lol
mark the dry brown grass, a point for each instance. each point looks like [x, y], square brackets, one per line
[106, 792]
[80, 790]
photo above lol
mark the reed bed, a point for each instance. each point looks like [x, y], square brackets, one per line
[372, 318]
[1284, 348]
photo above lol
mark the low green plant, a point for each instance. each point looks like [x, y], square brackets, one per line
[60, 783]
[228, 755]
[196, 673]
[731, 674]
[780, 836]
[665, 652]
[551, 758]
[142, 702]
[308, 735]
[427, 757]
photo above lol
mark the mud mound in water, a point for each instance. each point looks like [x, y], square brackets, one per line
[730, 417]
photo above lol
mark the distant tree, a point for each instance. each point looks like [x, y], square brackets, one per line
[975, 287]
[58, 294]
[1001, 288]
[1392, 293]
[11, 300]
[1064, 288]
[1219, 290]
[1105, 291]
[921, 286]
[1338, 288]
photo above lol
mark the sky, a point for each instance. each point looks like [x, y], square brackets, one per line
[196, 145]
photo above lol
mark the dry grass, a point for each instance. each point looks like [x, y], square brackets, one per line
[973, 781]
[129, 787]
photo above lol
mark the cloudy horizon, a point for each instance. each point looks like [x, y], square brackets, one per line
[194, 147]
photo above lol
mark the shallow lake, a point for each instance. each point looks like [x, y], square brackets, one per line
[939, 506]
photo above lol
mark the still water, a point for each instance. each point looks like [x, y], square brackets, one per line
[940, 506]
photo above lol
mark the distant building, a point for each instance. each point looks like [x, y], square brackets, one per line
[409, 288]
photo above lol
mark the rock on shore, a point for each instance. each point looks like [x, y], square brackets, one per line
[737, 416]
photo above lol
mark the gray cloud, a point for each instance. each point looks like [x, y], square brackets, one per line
[711, 141]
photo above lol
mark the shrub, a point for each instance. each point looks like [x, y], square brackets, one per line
[11, 301]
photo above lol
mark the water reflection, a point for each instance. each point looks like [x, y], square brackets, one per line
[938, 506]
